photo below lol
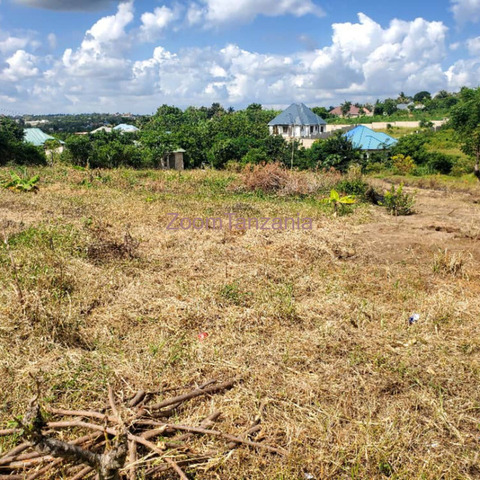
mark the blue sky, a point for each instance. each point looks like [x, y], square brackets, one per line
[132, 56]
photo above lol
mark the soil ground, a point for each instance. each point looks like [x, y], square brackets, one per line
[315, 322]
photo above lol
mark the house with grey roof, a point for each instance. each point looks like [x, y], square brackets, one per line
[297, 121]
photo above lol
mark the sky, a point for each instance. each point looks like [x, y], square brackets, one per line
[78, 56]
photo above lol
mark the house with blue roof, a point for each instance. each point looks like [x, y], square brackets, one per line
[368, 140]
[297, 121]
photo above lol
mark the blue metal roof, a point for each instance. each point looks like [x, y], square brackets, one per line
[367, 139]
[297, 114]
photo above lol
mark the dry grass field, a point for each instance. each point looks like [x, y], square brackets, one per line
[315, 322]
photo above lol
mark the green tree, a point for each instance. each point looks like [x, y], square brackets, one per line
[389, 106]
[465, 120]
[13, 149]
[346, 107]
[336, 151]
[412, 146]
[80, 148]
[422, 96]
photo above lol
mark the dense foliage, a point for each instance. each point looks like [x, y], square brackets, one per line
[106, 150]
[12, 147]
[465, 119]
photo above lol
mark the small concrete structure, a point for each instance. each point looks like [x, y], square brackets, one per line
[173, 160]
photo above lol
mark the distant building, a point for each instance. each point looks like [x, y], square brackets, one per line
[102, 129]
[368, 140]
[405, 106]
[297, 121]
[125, 128]
[38, 138]
[354, 112]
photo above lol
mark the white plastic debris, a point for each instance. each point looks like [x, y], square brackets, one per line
[415, 317]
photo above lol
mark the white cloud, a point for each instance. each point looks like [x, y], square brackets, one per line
[101, 53]
[362, 60]
[11, 44]
[473, 45]
[463, 73]
[466, 11]
[220, 12]
[154, 23]
[109, 30]
[21, 65]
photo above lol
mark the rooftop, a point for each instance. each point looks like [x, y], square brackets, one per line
[367, 139]
[36, 136]
[124, 127]
[297, 114]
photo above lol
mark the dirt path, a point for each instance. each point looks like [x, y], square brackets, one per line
[442, 220]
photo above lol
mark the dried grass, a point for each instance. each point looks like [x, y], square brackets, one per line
[316, 321]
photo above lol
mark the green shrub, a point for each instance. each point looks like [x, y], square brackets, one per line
[21, 182]
[354, 186]
[397, 202]
[440, 162]
[375, 167]
[403, 165]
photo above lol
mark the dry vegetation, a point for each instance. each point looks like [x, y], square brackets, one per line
[95, 291]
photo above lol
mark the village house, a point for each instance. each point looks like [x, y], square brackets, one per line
[37, 137]
[369, 141]
[297, 121]
[353, 112]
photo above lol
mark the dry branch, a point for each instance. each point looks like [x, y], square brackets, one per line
[132, 438]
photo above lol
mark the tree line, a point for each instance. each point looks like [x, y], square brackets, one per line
[220, 137]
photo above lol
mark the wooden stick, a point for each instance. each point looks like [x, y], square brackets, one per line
[153, 447]
[81, 413]
[175, 466]
[111, 399]
[10, 431]
[12, 456]
[195, 393]
[206, 423]
[132, 459]
[245, 434]
[140, 395]
[43, 470]
[14, 452]
[226, 436]
[81, 474]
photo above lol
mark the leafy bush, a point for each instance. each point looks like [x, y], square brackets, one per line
[397, 202]
[375, 167]
[441, 163]
[412, 146]
[403, 165]
[339, 203]
[352, 187]
[21, 183]
[336, 151]
[13, 149]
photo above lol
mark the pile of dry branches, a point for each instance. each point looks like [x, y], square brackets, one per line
[135, 437]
